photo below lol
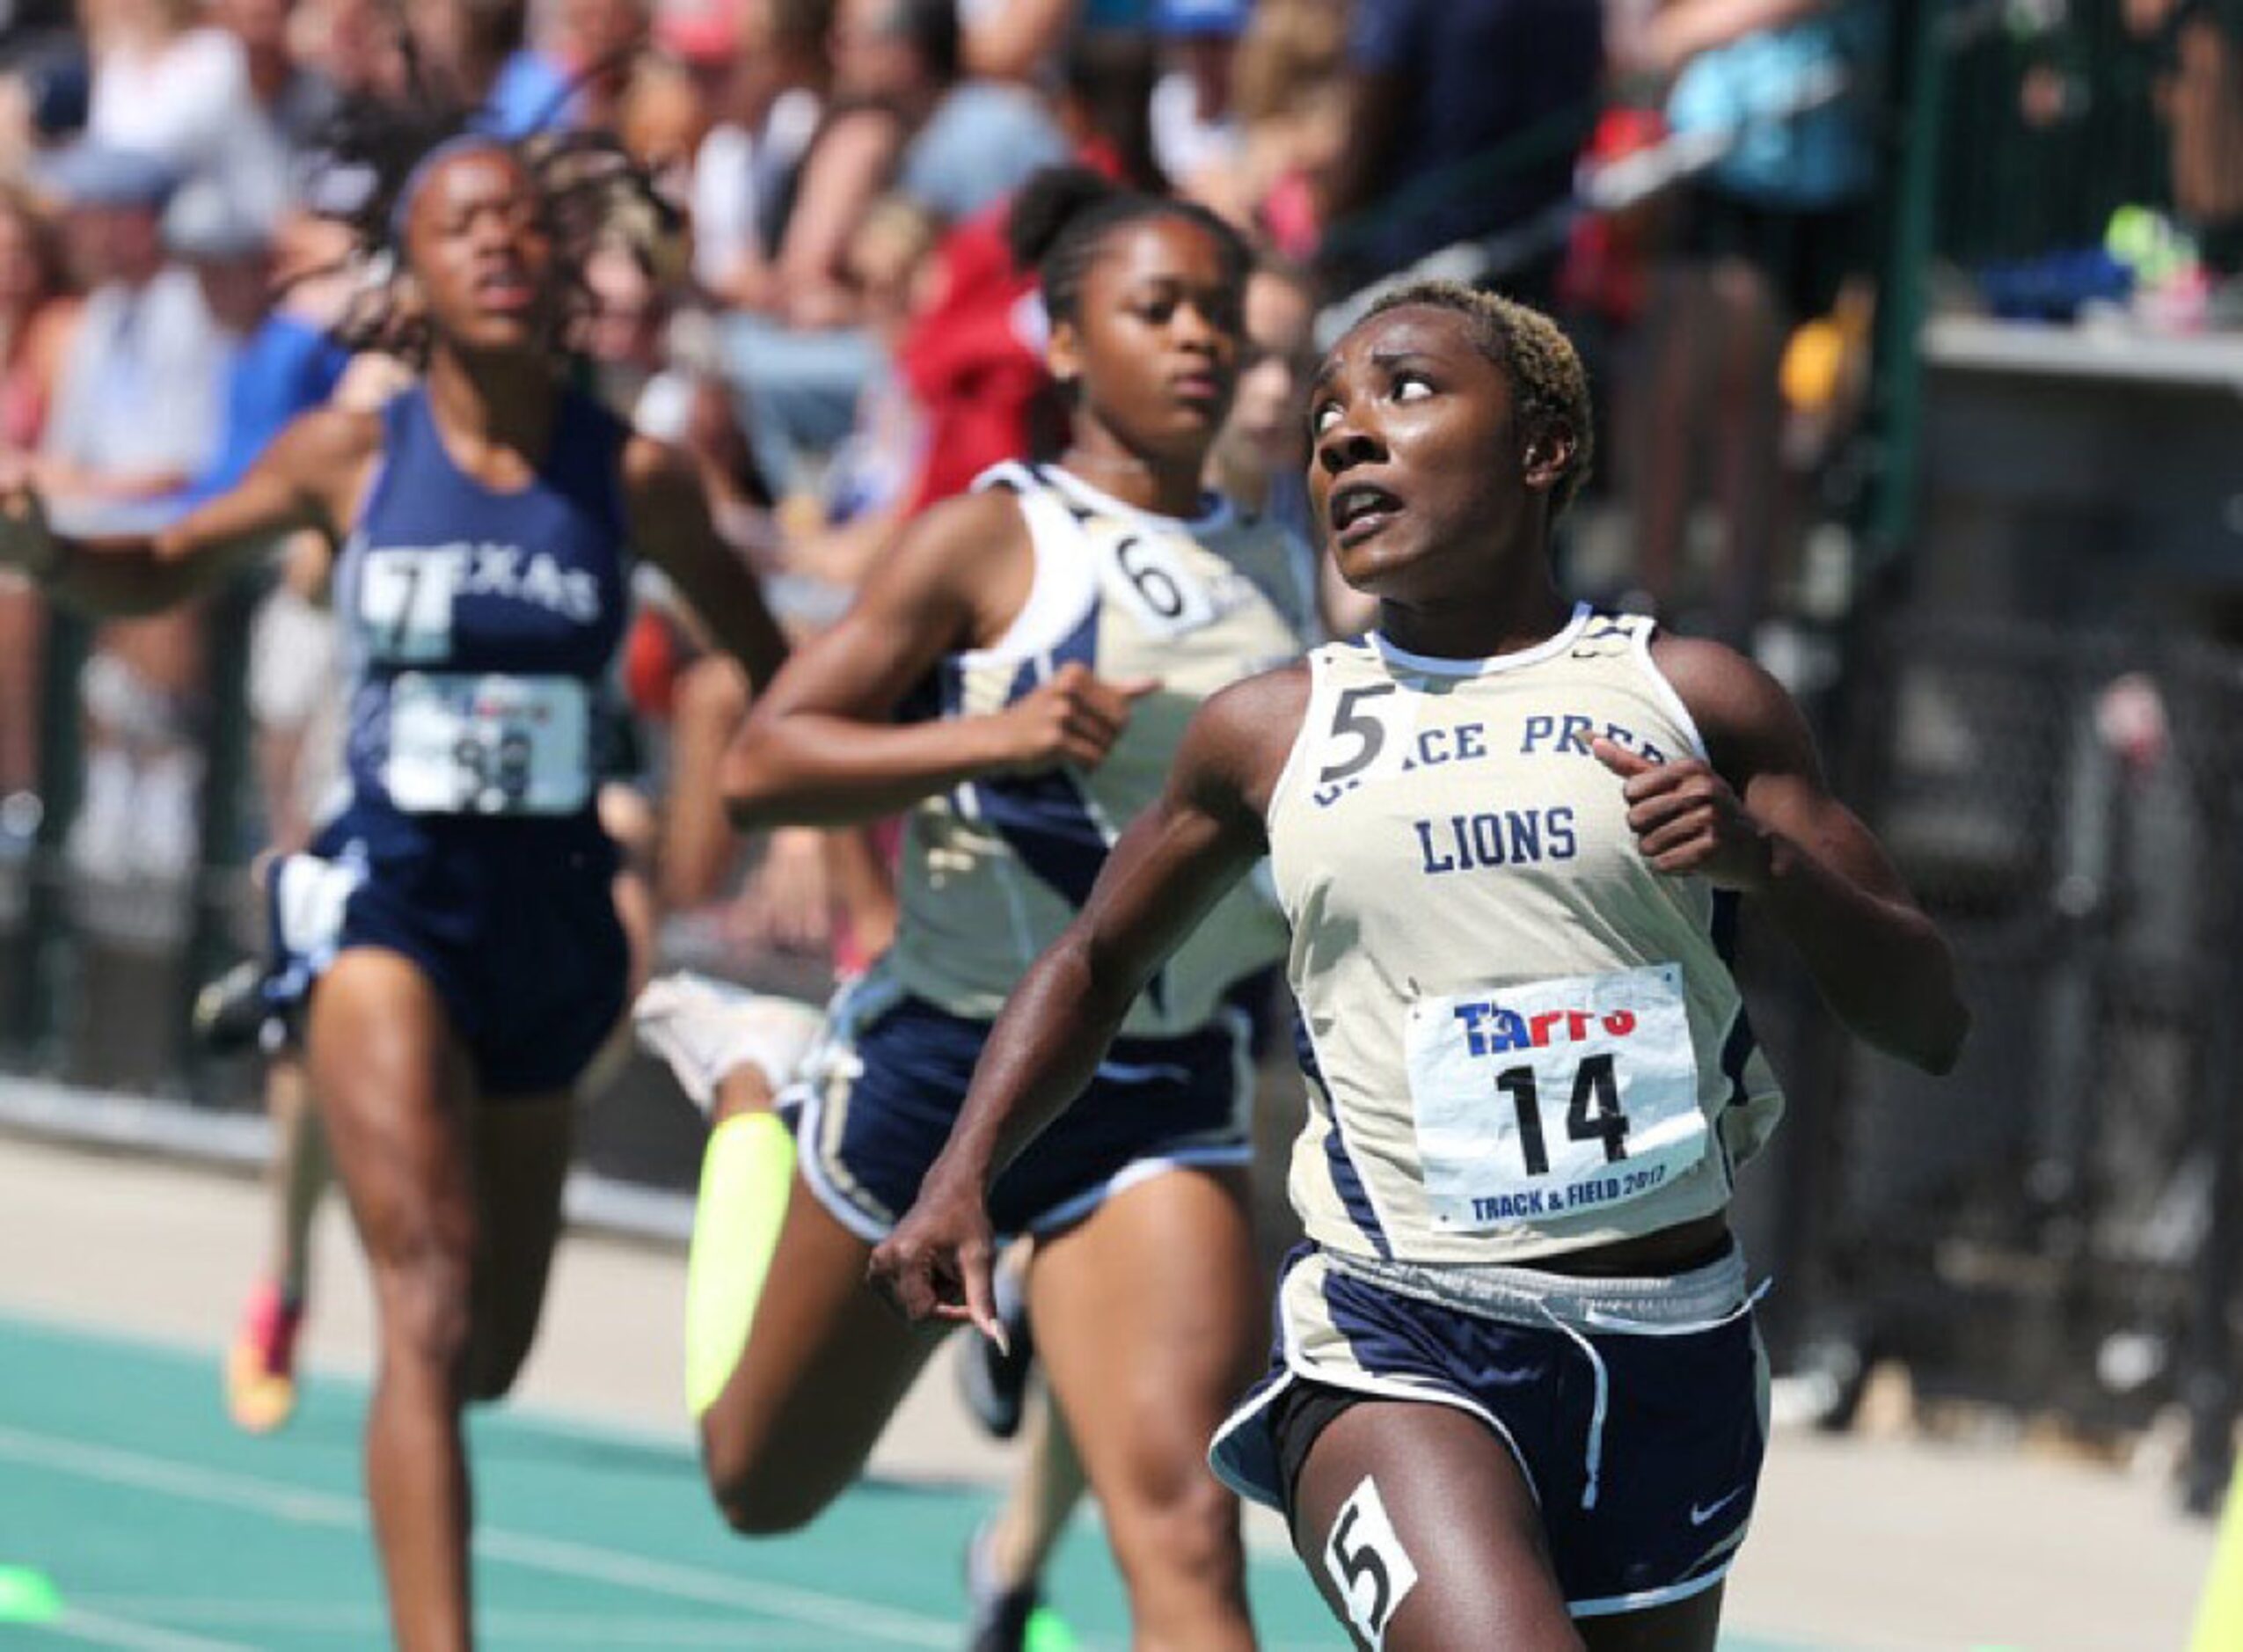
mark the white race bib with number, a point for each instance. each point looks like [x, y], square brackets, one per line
[1166, 598]
[404, 600]
[1554, 1099]
[489, 745]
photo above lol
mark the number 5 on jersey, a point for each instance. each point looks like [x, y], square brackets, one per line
[1367, 737]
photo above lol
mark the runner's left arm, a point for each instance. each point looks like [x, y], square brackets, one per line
[1759, 819]
[671, 526]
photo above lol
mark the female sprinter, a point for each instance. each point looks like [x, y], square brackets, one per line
[1518, 1396]
[456, 916]
[1016, 674]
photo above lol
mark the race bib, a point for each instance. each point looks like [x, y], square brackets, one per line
[489, 745]
[405, 597]
[1553, 1099]
[1167, 599]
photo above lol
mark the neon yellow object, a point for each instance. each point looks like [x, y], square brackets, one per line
[1048, 1632]
[28, 1597]
[745, 1175]
[2219, 1615]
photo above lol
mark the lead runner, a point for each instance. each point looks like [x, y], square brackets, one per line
[1517, 1398]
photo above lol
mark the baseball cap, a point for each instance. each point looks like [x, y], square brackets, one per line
[95, 174]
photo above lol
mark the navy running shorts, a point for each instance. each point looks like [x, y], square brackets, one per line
[513, 921]
[878, 1096]
[1639, 1429]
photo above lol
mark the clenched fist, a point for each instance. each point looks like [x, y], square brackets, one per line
[1688, 819]
[1074, 718]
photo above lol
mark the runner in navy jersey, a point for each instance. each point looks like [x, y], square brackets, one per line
[452, 925]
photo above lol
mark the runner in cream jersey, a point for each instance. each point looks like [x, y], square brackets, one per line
[1491, 1076]
[992, 869]
[1516, 1397]
[1014, 677]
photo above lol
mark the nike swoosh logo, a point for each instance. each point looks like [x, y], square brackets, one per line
[1699, 1515]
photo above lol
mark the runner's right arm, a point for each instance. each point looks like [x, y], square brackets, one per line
[1172, 865]
[304, 480]
[819, 748]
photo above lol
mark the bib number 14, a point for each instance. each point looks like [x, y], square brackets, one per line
[1594, 1115]
[1556, 1098]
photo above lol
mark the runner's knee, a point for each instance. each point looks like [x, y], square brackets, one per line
[757, 1498]
[1181, 1534]
[427, 1316]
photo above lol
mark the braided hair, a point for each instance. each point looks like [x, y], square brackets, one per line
[1061, 219]
[593, 193]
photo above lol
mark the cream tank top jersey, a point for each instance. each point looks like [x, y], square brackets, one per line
[992, 870]
[1520, 1039]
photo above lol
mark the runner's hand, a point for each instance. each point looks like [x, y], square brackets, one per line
[1689, 821]
[1074, 718]
[788, 904]
[937, 1263]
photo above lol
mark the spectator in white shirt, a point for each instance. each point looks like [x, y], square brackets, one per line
[138, 409]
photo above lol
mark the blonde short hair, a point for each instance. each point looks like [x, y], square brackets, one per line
[1549, 387]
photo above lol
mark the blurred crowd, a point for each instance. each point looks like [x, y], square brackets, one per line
[1689, 184]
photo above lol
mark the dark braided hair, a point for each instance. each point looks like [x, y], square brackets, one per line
[1062, 214]
[592, 192]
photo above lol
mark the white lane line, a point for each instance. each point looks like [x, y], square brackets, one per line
[222, 1611]
[100, 1629]
[502, 1625]
[115, 1466]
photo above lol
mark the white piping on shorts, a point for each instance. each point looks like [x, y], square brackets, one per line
[1140, 1170]
[873, 1229]
[1300, 1368]
[811, 1162]
[1683, 1304]
[1645, 1599]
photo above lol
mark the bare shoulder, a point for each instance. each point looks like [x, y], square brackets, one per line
[965, 523]
[328, 455]
[1743, 713]
[960, 543]
[1241, 738]
[334, 434]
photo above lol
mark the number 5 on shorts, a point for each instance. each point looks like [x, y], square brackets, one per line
[1367, 1565]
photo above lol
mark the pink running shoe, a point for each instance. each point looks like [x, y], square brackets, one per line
[261, 1367]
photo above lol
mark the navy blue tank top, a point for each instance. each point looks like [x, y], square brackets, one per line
[479, 624]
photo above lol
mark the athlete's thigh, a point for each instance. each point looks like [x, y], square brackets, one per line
[1683, 1625]
[1418, 1526]
[826, 1364]
[394, 1094]
[523, 1145]
[1150, 1320]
